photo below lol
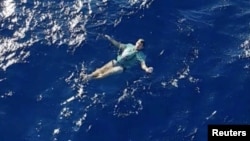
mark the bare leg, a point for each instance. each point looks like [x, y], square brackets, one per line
[101, 70]
[98, 73]
[111, 71]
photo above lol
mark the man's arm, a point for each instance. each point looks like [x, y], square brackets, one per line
[115, 43]
[145, 68]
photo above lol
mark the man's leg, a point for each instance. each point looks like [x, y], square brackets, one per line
[111, 71]
[99, 72]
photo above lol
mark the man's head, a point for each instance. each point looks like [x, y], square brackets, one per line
[139, 44]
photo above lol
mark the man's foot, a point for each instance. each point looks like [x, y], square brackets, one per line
[86, 77]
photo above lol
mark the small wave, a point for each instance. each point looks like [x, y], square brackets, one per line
[246, 49]
[128, 104]
[8, 8]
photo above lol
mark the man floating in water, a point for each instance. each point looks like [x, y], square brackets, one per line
[129, 56]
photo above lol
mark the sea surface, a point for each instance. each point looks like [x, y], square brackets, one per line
[199, 49]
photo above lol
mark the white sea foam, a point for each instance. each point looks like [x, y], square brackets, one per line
[8, 8]
[246, 49]
[128, 104]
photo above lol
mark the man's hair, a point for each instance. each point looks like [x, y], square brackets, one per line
[142, 41]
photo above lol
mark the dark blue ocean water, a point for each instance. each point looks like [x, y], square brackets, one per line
[199, 49]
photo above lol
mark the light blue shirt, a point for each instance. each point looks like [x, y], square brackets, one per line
[130, 56]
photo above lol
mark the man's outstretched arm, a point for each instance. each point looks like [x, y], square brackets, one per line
[115, 43]
[145, 68]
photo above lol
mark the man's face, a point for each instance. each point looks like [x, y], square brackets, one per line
[139, 44]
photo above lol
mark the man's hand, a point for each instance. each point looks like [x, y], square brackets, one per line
[149, 69]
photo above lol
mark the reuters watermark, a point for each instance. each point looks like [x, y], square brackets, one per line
[235, 132]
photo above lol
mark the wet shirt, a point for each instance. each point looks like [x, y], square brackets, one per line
[130, 56]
